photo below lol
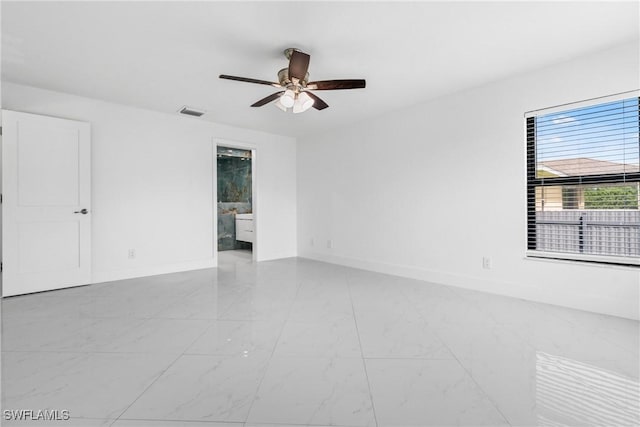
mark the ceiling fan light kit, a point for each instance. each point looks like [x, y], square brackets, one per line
[288, 98]
[280, 106]
[303, 103]
[295, 81]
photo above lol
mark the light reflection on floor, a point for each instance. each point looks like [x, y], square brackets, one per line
[569, 392]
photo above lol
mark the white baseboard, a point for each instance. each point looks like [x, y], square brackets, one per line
[275, 256]
[593, 303]
[130, 273]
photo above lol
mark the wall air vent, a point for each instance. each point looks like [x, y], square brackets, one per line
[191, 111]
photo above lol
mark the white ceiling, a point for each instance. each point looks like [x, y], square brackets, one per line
[163, 55]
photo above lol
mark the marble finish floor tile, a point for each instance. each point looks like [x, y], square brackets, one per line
[289, 425]
[202, 388]
[259, 305]
[89, 385]
[318, 310]
[428, 392]
[295, 342]
[314, 391]
[121, 306]
[76, 334]
[486, 342]
[319, 339]
[172, 336]
[202, 304]
[579, 341]
[172, 423]
[395, 338]
[234, 337]
[552, 390]
[45, 305]
[71, 422]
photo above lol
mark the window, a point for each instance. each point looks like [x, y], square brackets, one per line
[583, 181]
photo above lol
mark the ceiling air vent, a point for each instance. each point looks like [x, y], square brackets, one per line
[191, 111]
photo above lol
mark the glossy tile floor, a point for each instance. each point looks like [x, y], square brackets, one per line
[298, 342]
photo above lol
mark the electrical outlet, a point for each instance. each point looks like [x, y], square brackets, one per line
[486, 263]
[132, 253]
[330, 244]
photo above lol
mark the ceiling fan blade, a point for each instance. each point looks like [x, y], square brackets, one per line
[267, 99]
[337, 84]
[248, 80]
[318, 103]
[298, 65]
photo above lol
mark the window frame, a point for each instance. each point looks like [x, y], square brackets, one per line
[533, 181]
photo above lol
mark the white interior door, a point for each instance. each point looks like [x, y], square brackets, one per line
[46, 203]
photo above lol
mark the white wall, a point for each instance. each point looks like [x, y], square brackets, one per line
[153, 184]
[428, 191]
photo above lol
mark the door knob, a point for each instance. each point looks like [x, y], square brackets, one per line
[82, 211]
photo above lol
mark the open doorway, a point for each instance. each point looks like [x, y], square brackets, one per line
[235, 204]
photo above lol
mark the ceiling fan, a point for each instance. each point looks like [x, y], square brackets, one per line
[297, 87]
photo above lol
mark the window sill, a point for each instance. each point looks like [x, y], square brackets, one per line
[594, 260]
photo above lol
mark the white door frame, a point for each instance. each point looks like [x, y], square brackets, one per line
[254, 191]
[1, 190]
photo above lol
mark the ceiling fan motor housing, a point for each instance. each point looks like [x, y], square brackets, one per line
[285, 81]
[289, 51]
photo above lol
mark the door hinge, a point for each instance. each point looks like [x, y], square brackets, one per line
[0, 130]
[1, 266]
